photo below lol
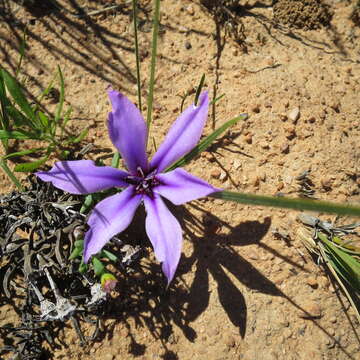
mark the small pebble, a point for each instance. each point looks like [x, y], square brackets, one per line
[312, 119]
[223, 176]
[335, 106]
[230, 342]
[253, 255]
[294, 115]
[108, 356]
[190, 10]
[215, 173]
[311, 310]
[236, 164]
[326, 183]
[287, 333]
[290, 132]
[264, 145]
[285, 148]
[283, 117]
[255, 108]
[248, 138]
[311, 281]
[188, 45]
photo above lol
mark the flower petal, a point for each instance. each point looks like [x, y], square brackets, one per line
[179, 186]
[127, 130]
[183, 135]
[83, 176]
[165, 234]
[109, 217]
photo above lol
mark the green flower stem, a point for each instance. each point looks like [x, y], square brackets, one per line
[283, 202]
[153, 63]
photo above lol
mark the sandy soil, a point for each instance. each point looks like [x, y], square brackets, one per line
[240, 291]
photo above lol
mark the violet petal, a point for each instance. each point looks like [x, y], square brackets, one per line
[165, 234]
[179, 186]
[183, 135]
[83, 176]
[109, 217]
[127, 130]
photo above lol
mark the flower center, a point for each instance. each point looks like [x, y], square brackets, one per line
[144, 184]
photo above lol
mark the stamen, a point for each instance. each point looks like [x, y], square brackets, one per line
[140, 170]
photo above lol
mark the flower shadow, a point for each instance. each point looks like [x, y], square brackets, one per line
[213, 255]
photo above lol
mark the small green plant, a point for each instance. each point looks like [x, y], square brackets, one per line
[338, 250]
[98, 265]
[22, 121]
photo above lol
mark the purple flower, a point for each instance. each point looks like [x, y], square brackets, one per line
[144, 182]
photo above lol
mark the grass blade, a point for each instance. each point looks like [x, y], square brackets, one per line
[18, 134]
[5, 102]
[18, 96]
[19, 118]
[11, 175]
[350, 265]
[31, 166]
[79, 138]
[22, 54]
[43, 119]
[204, 144]
[22, 153]
[288, 203]
[59, 107]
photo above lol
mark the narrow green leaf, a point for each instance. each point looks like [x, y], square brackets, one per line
[31, 166]
[11, 175]
[18, 96]
[76, 253]
[19, 118]
[98, 266]
[22, 53]
[22, 153]
[89, 200]
[198, 90]
[349, 264]
[44, 119]
[216, 99]
[66, 117]
[115, 160]
[4, 101]
[82, 267]
[204, 144]
[80, 137]
[18, 134]
[109, 255]
[183, 98]
[47, 90]
[283, 202]
[59, 107]
[79, 243]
